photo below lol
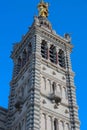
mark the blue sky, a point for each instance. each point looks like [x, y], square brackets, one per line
[66, 16]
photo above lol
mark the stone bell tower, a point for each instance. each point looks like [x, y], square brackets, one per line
[42, 93]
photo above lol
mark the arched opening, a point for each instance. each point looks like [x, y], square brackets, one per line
[43, 83]
[59, 88]
[53, 54]
[54, 87]
[19, 126]
[24, 57]
[61, 58]
[61, 125]
[29, 50]
[55, 124]
[64, 92]
[48, 84]
[19, 65]
[22, 91]
[66, 126]
[44, 49]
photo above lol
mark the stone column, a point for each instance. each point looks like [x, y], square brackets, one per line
[68, 59]
[52, 123]
[63, 125]
[57, 55]
[36, 81]
[75, 124]
[48, 51]
[46, 122]
[57, 124]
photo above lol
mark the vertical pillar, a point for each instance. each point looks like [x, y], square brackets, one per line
[68, 59]
[57, 50]
[31, 107]
[24, 124]
[46, 122]
[75, 124]
[48, 51]
[63, 125]
[57, 124]
[56, 57]
[52, 123]
[36, 82]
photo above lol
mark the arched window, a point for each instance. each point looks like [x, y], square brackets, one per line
[19, 126]
[61, 58]
[66, 126]
[54, 87]
[24, 57]
[22, 91]
[53, 54]
[19, 65]
[59, 88]
[64, 92]
[44, 49]
[23, 124]
[29, 50]
[55, 124]
[61, 125]
[49, 123]
[43, 83]
[48, 86]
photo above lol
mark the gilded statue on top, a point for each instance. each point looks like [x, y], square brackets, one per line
[43, 9]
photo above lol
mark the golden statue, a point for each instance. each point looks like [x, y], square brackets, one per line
[43, 9]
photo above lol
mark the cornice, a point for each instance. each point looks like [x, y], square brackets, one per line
[58, 39]
[50, 34]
